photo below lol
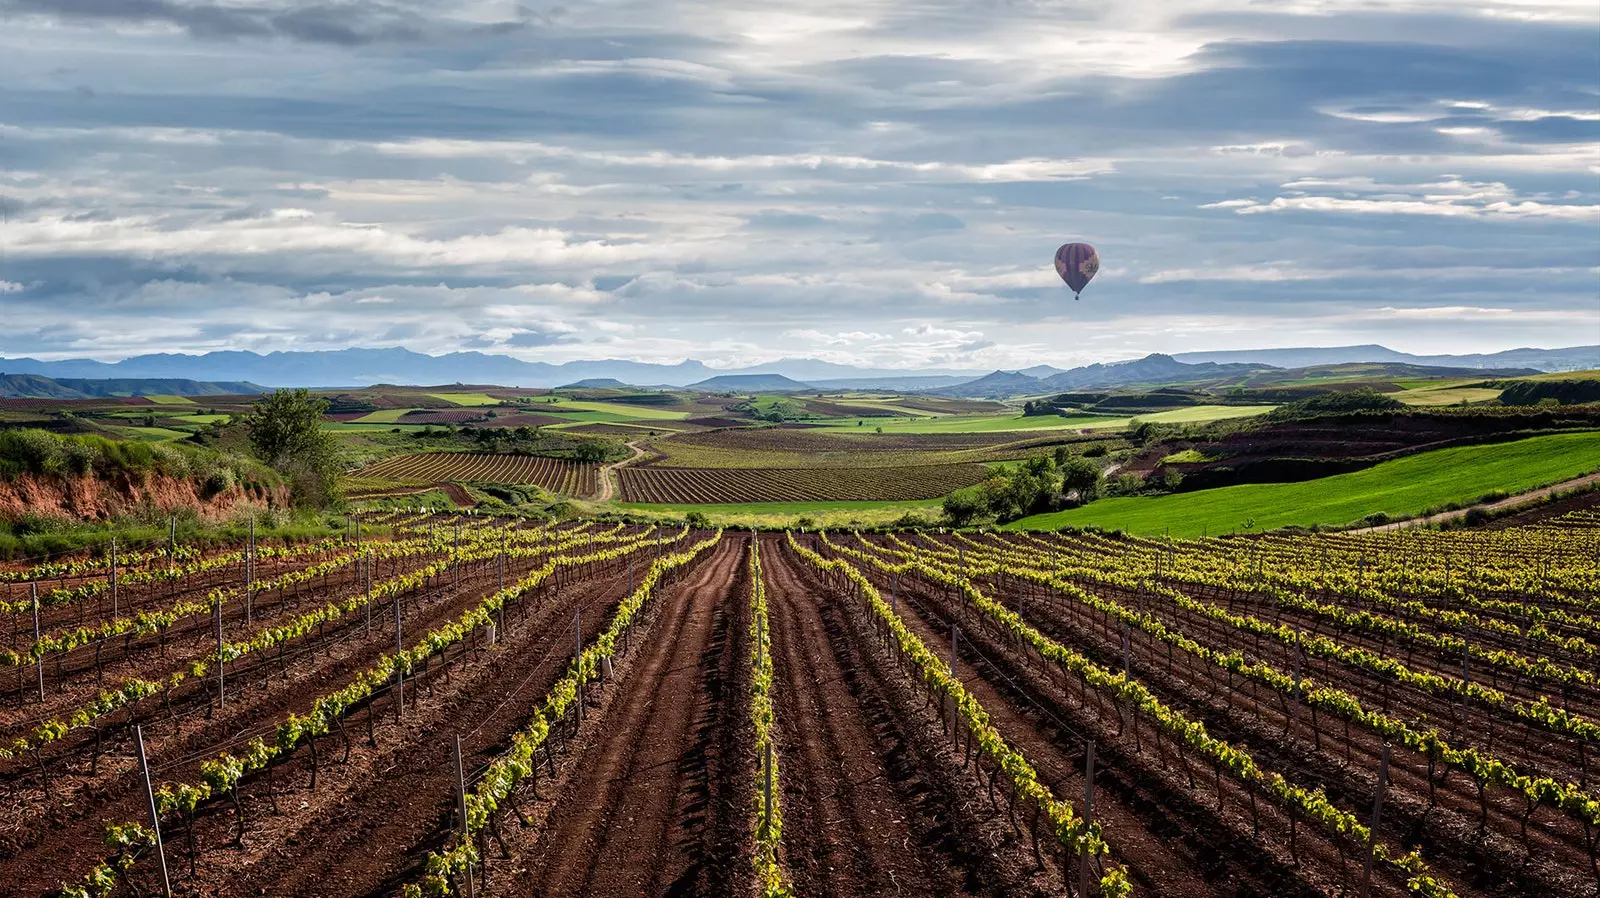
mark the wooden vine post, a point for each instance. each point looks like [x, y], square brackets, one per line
[461, 809]
[33, 593]
[1372, 829]
[155, 817]
[1088, 820]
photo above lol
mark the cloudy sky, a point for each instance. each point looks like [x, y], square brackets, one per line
[878, 182]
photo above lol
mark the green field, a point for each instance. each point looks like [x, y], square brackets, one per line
[383, 416]
[621, 411]
[148, 434]
[777, 514]
[1000, 423]
[170, 400]
[469, 399]
[1435, 396]
[1399, 488]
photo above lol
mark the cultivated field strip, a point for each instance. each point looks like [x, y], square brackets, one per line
[554, 474]
[714, 486]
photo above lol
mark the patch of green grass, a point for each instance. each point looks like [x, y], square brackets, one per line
[778, 514]
[159, 399]
[1000, 423]
[468, 399]
[1198, 414]
[357, 427]
[622, 411]
[1400, 488]
[383, 416]
[1186, 456]
[976, 423]
[147, 434]
[1435, 396]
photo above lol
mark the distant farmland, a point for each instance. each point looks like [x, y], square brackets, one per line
[711, 486]
[554, 474]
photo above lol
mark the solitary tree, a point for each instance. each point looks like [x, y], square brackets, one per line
[285, 429]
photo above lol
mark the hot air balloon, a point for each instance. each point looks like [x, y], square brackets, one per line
[1077, 263]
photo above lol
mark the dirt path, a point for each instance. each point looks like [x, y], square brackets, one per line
[458, 494]
[607, 483]
[651, 809]
[1520, 499]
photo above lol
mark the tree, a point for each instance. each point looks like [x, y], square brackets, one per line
[964, 505]
[1082, 477]
[286, 432]
[591, 450]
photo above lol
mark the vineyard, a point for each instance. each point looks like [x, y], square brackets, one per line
[554, 474]
[709, 486]
[465, 705]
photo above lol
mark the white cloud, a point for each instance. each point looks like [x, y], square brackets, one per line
[11, 287]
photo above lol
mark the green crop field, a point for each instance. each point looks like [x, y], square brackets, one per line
[468, 399]
[384, 416]
[169, 400]
[1429, 396]
[621, 411]
[825, 514]
[999, 423]
[1399, 488]
[148, 434]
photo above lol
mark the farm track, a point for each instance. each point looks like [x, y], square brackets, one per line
[876, 802]
[1172, 842]
[74, 834]
[655, 805]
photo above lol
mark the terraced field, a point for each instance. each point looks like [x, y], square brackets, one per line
[786, 447]
[712, 486]
[554, 474]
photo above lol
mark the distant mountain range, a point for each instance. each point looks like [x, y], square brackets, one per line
[1572, 358]
[36, 386]
[1152, 369]
[361, 367]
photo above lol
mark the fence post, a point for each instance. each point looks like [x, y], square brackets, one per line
[155, 818]
[33, 593]
[250, 575]
[953, 650]
[366, 566]
[113, 576]
[222, 695]
[577, 654]
[1088, 820]
[1125, 650]
[399, 668]
[1372, 830]
[461, 808]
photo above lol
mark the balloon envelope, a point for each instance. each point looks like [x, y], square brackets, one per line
[1077, 263]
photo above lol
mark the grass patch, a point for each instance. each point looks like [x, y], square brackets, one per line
[147, 434]
[778, 514]
[1187, 456]
[467, 399]
[161, 399]
[383, 416]
[1400, 489]
[1437, 396]
[623, 411]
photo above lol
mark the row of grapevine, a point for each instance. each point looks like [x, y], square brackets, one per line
[768, 829]
[221, 776]
[1569, 798]
[506, 772]
[1313, 803]
[1073, 834]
